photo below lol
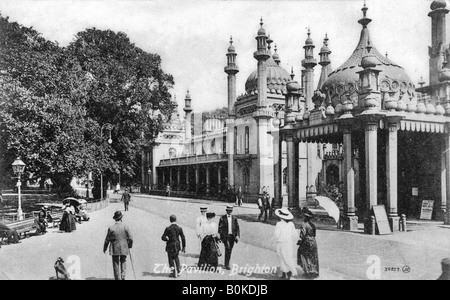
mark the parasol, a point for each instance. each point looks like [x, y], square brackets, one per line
[330, 207]
[74, 201]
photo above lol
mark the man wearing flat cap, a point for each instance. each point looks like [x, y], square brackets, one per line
[229, 233]
[120, 242]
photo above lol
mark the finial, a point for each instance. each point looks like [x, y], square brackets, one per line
[261, 22]
[231, 39]
[364, 9]
[269, 41]
[421, 82]
[292, 73]
[386, 54]
[369, 46]
[325, 41]
[309, 31]
[275, 48]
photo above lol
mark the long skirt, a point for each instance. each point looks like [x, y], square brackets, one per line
[209, 257]
[308, 257]
[285, 252]
[67, 222]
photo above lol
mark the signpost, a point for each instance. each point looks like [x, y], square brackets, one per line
[427, 209]
[382, 221]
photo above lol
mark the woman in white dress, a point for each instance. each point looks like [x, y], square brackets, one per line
[285, 237]
[209, 258]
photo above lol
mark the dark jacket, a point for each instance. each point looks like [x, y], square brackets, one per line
[126, 197]
[119, 238]
[172, 236]
[223, 227]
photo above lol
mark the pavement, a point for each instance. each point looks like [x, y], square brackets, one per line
[343, 255]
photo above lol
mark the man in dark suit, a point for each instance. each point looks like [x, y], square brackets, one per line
[120, 242]
[172, 236]
[229, 233]
[126, 199]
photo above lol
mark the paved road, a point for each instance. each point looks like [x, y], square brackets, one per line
[343, 255]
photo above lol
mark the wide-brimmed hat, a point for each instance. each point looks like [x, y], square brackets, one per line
[307, 213]
[210, 215]
[117, 215]
[284, 214]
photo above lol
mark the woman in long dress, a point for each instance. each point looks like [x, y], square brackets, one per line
[68, 219]
[307, 255]
[209, 258]
[285, 235]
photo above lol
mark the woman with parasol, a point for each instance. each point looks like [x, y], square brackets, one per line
[307, 255]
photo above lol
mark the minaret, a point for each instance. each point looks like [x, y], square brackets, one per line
[262, 115]
[309, 63]
[187, 122]
[261, 55]
[231, 69]
[438, 40]
[324, 62]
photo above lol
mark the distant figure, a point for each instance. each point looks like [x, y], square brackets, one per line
[126, 199]
[284, 236]
[445, 264]
[229, 233]
[120, 242]
[171, 236]
[117, 190]
[307, 255]
[168, 190]
[200, 224]
[41, 222]
[239, 196]
[209, 255]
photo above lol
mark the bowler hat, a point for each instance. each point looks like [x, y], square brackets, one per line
[118, 215]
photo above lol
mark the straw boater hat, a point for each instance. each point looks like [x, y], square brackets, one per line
[203, 208]
[229, 208]
[284, 214]
[118, 215]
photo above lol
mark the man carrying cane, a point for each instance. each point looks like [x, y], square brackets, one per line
[120, 242]
[172, 236]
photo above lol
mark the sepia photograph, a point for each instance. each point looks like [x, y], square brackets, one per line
[212, 142]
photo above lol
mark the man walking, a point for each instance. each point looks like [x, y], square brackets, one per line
[172, 236]
[126, 199]
[120, 242]
[229, 233]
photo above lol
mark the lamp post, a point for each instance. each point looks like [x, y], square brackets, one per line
[108, 127]
[18, 167]
[149, 179]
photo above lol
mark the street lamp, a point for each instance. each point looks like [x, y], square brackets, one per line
[149, 179]
[108, 127]
[18, 167]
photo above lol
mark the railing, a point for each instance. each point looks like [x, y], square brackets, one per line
[194, 159]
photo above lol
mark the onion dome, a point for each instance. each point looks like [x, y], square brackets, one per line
[440, 110]
[231, 48]
[438, 4]
[292, 85]
[390, 103]
[276, 56]
[401, 105]
[346, 75]
[330, 110]
[421, 108]
[309, 40]
[339, 108]
[431, 110]
[325, 48]
[261, 30]
[277, 78]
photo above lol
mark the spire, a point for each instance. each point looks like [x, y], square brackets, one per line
[276, 56]
[324, 62]
[231, 48]
[365, 20]
[269, 41]
[261, 30]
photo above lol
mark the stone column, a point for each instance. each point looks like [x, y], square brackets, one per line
[230, 150]
[440, 214]
[391, 173]
[197, 178]
[178, 178]
[277, 168]
[264, 163]
[371, 152]
[292, 184]
[447, 176]
[207, 179]
[351, 220]
[187, 178]
[163, 174]
[219, 179]
[171, 178]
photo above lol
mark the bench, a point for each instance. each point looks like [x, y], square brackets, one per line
[56, 219]
[22, 227]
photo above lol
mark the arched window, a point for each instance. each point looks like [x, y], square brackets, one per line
[247, 140]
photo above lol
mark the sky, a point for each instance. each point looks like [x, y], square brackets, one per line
[192, 37]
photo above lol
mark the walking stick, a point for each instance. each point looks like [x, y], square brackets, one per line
[132, 265]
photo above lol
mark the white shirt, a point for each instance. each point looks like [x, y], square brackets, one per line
[200, 222]
[229, 224]
[210, 227]
[285, 232]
